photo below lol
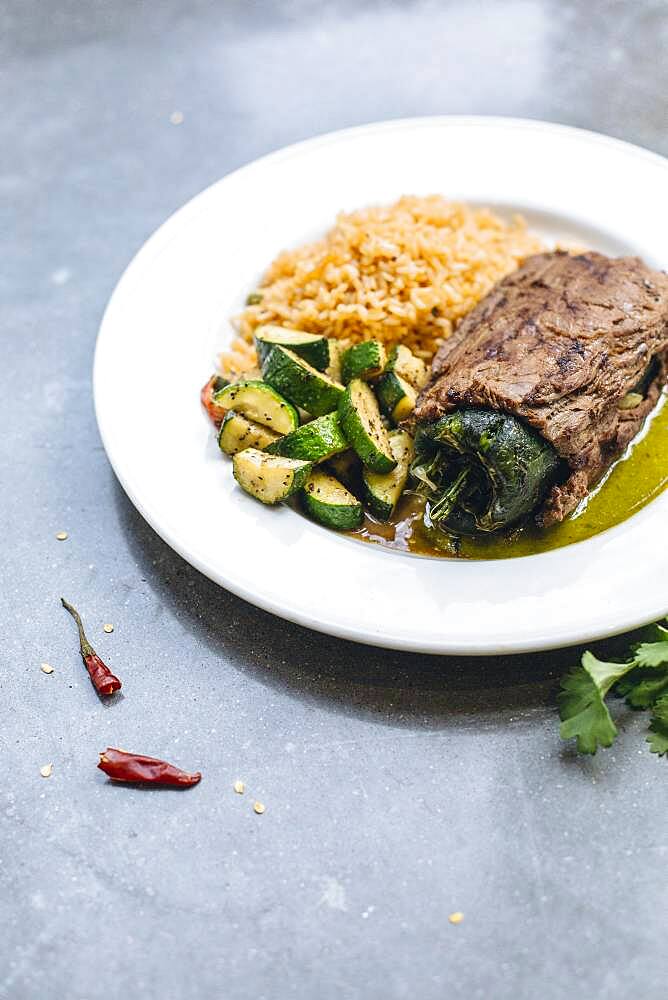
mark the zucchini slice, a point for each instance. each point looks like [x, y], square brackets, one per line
[300, 382]
[396, 396]
[337, 348]
[269, 478]
[382, 492]
[363, 426]
[404, 363]
[312, 347]
[237, 432]
[260, 403]
[365, 360]
[314, 442]
[329, 503]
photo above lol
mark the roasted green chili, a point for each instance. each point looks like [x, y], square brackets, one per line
[481, 470]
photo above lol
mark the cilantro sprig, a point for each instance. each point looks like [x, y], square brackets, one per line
[642, 680]
[658, 727]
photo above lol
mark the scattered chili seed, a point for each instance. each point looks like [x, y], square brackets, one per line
[103, 680]
[46, 668]
[258, 808]
[135, 768]
[108, 628]
[456, 918]
[46, 771]
[239, 787]
[61, 536]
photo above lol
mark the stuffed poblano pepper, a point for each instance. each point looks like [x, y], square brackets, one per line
[481, 470]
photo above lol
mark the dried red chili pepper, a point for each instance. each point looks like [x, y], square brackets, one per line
[103, 680]
[132, 767]
[215, 411]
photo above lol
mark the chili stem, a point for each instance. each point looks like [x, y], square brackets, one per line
[86, 648]
[102, 679]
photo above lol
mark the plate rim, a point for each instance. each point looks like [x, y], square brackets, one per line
[151, 247]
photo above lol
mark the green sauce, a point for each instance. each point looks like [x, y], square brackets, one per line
[635, 479]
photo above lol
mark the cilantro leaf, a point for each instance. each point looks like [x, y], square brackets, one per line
[658, 737]
[652, 654]
[661, 710]
[658, 728]
[642, 688]
[644, 685]
[581, 702]
[643, 681]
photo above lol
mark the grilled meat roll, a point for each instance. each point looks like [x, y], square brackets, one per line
[540, 389]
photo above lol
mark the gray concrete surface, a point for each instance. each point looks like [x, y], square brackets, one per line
[398, 788]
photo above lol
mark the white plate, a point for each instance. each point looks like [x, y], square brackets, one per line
[168, 318]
